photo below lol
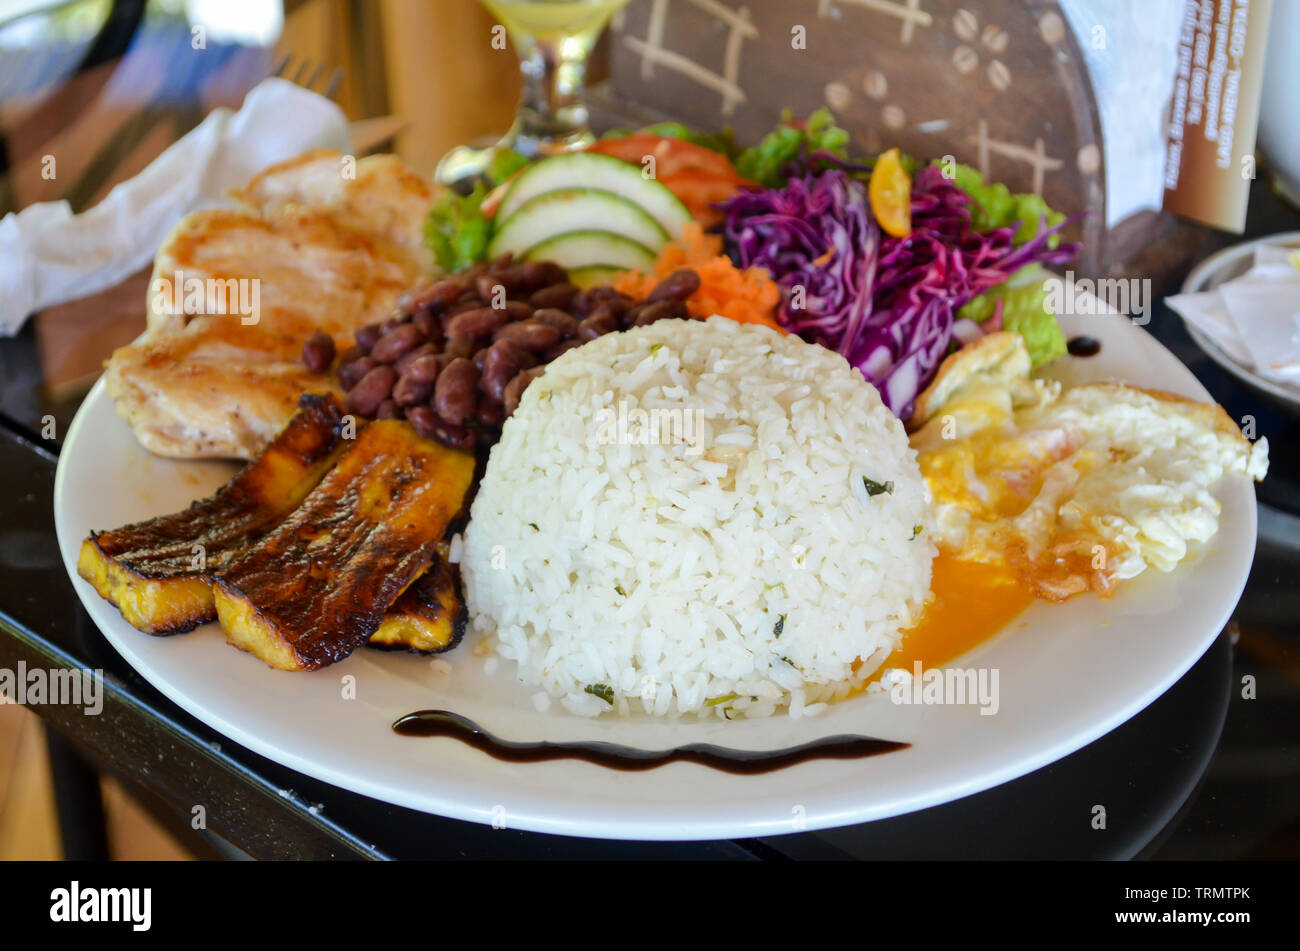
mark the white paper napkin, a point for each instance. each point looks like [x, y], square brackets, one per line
[48, 255]
[1254, 318]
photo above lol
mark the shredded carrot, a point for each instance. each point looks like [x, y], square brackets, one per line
[747, 297]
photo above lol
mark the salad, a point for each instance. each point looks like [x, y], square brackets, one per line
[889, 261]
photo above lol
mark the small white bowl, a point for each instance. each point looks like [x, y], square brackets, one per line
[1217, 269]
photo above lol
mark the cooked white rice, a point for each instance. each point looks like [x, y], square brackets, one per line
[726, 559]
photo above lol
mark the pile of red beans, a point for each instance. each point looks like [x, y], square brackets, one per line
[458, 354]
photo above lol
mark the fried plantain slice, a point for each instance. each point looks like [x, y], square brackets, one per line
[157, 572]
[318, 586]
[429, 617]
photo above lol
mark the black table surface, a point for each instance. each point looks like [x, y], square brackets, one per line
[1204, 772]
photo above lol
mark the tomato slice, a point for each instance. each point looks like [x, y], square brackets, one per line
[890, 191]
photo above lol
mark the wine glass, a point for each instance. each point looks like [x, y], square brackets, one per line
[553, 39]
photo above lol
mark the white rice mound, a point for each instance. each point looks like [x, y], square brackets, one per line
[724, 560]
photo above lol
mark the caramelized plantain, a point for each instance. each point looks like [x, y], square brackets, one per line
[318, 586]
[429, 617]
[157, 572]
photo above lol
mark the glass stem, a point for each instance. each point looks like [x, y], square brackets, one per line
[552, 110]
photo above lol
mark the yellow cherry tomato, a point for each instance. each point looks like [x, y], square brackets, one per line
[890, 191]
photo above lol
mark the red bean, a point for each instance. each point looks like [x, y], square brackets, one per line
[318, 352]
[597, 325]
[396, 344]
[504, 360]
[566, 324]
[491, 414]
[350, 374]
[423, 419]
[530, 334]
[367, 337]
[659, 310]
[436, 295]
[429, 325]
[616, 302]
[581, 304]
[678, 285]
[425, 368]
[388, 409]
[455, 395]
[365, 398]
[557, 295]
[460, 347]
[473, 304]
[478, 359]
[560, 349]
[515, 389]
[490, 288]
[423, 350]
[453, 437]
[409, 392]
[555, 273]
[475, 323]
[518, 310]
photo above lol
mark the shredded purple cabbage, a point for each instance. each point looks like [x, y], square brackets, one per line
[887, 304]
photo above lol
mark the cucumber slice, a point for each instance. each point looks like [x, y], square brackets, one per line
[592, 170]
[579, 249]
[575, 209]
[594, 275]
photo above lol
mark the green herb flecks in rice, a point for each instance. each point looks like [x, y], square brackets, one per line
[875, 488]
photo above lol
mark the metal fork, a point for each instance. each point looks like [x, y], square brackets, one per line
[309, 75]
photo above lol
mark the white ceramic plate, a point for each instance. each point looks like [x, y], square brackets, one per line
[1223, 266]
[1067, 674]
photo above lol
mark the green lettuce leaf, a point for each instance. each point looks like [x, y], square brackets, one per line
[763, 163]
[456, 231]
[993, 205]
[1024, 311]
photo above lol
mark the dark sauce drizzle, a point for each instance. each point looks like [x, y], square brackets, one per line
[630, 759]
[1083, 346]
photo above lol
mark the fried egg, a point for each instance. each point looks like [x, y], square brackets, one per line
[1076, 489]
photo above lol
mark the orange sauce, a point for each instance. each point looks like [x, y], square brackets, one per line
[970, 602]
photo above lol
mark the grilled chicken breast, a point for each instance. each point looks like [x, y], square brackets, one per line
[315, 244]
[379, 195]
[214, 390]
